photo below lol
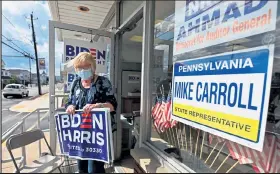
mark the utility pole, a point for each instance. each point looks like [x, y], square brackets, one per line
[36, 55]
[30, 72]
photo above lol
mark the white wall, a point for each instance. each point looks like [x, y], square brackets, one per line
[6, 73]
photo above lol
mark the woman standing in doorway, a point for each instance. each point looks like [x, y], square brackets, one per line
[89, 91]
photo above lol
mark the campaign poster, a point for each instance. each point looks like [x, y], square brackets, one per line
[98, 50]
[71, 76]
[225, 94]
[85, 136]
[200, 24]
[64, 148]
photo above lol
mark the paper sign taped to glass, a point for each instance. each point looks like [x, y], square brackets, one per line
[86, 136]
[225, 94]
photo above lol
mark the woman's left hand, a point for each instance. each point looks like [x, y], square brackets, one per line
[87, 108]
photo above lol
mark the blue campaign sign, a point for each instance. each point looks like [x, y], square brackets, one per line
[225, 94]
[70, 79]
[64, 148]
[85, 136]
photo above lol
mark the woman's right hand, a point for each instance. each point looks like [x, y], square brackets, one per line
[70, 109]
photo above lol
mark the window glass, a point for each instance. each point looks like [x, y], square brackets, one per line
[127, 8]
[10, 86]
[201, 151]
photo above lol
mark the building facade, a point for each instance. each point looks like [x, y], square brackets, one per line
[222, 92]
[6, 77]
[22, 76]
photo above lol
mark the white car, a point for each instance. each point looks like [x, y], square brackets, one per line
[15, 90]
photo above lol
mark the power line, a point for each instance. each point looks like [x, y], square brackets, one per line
[26, 55]
[8, 20]
[14, 44]
[13, 56]
[15, 27]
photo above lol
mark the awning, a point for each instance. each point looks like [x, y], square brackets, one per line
[91, 14]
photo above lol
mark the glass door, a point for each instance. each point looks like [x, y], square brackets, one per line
[128, 49]
[65, 42]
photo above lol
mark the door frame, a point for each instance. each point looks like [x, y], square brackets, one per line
[53, 25]
[135, 16]
[145, 11]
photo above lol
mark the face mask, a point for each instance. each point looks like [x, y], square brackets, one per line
[85, 74]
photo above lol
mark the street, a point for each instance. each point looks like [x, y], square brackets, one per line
[9, 118]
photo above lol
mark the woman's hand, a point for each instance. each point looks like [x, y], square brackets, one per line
[70, 109]
[87, 108]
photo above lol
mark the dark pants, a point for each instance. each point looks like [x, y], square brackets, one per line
[89, 166]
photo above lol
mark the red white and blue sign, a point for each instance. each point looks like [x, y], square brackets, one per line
[98, 50]
[85, 136]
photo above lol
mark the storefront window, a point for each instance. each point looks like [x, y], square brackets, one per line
[127, 8]
[200, 150]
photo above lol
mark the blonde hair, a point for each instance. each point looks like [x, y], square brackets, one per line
[83, 57]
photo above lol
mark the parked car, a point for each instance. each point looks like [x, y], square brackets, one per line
[15, 90]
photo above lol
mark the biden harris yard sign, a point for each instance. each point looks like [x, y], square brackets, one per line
[225, 94]
[86, 136]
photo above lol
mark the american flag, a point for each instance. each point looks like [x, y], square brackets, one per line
[167, 111]
[172, 121]
[275, 167]
[161, 117]
[161, 113]
[267, 162]
[211, 137]
[166, 121]
[156, 108]
[261, 161]
[157, 112]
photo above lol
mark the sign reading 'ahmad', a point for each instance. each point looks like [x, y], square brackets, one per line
[200, 24]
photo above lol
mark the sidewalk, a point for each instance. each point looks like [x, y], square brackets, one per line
[31, 105]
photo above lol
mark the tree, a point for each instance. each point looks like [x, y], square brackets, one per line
[14, 79]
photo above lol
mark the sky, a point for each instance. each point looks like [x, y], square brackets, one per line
[15, 27]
